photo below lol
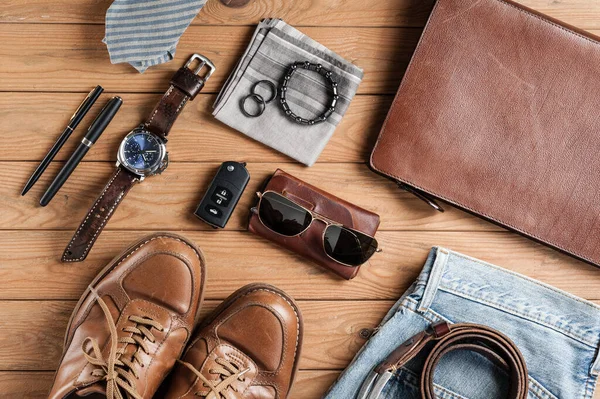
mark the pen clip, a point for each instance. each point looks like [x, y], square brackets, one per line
[85, 100]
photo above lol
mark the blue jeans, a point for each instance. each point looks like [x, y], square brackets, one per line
[557, 333]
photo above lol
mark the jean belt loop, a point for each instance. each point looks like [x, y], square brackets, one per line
[435, 276]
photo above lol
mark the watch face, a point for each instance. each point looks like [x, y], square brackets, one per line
[142, 151]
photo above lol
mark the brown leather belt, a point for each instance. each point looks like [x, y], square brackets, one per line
[481, 339]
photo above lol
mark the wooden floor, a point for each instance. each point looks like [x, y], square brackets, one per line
[51, 54]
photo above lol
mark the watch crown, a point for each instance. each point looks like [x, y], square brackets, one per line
[164, 164]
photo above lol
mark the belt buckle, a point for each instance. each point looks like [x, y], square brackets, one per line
[374, 384]
[204, 62]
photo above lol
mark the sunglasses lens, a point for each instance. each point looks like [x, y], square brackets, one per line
[282, 215]
[349, 247]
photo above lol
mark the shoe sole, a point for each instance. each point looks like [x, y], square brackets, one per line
[245, 291]
[115, 262]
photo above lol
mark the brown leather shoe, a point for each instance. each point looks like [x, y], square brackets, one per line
[248, 348]
[133, 321]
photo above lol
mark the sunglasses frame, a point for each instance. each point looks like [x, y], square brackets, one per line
[314, 216]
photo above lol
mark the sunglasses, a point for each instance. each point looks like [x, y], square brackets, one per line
[340, 243]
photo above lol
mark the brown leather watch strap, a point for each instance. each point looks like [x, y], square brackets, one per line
[477, 338]
[185, 85]
[87, 233]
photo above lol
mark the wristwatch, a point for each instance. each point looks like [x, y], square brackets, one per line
[142, 153]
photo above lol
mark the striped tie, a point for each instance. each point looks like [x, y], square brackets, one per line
[146, 32]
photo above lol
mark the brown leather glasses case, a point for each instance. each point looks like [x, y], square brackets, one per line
[310, 243]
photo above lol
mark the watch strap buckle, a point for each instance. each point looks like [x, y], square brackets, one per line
[203, 62]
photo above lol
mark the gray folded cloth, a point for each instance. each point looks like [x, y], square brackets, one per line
[274, 47]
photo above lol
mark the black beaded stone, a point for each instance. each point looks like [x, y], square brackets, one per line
[323, 72]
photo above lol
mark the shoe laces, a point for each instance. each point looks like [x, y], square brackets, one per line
[117, 370]
[227, 374]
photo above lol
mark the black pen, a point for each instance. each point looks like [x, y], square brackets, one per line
[95, 130]
[79, 114]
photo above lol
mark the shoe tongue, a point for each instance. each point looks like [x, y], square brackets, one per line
[92, 389]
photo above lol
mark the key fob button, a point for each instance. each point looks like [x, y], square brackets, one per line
[223, 192]
[222, 196]
[219, 200]
[214, 211]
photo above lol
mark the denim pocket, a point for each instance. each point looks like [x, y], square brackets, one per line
[537, 391]
[405, 384]
[460, 374]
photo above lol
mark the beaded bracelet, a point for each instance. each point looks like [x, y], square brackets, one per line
[284, 85]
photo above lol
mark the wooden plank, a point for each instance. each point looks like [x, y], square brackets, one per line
[197, 136]
[31, 268]
[298, 12]
[25, 385]
[383, 53]
[312, 384]
[390, 13]
[168, 201]
[31, 334]
[309, 384]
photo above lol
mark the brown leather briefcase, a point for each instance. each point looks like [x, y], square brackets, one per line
[499, 114]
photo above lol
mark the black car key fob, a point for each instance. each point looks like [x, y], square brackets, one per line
[223, 194]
